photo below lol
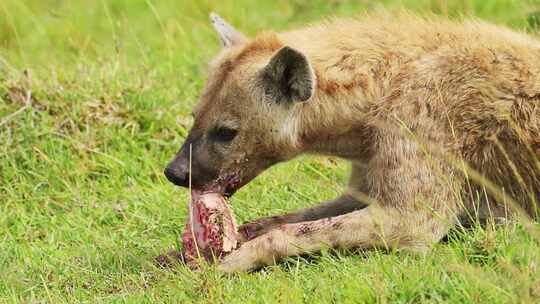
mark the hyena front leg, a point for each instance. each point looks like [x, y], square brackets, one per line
[372, 227]
[412, 204]
[342, 205]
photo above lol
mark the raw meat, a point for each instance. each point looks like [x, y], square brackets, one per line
[211, 230]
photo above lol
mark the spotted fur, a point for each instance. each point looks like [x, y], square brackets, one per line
[440, 120]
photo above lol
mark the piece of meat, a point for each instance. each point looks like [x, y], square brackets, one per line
[211, 230]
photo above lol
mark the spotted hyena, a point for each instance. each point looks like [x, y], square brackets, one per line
[439, 119]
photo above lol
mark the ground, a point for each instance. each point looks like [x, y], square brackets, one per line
[95, 98]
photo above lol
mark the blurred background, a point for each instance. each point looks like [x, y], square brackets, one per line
[148, 32]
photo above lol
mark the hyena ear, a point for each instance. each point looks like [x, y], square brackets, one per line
[288, 77]
[228, 35]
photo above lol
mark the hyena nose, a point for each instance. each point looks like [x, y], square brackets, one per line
[177, 176]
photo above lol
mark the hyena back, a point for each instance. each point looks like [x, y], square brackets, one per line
[440, 120]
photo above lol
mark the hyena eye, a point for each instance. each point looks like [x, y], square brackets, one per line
[223, 134]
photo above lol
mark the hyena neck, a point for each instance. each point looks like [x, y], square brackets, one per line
[332, 125]
[358, 71]
[349, 93]
[344, 145]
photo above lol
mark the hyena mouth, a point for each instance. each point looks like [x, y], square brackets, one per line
[227, 184]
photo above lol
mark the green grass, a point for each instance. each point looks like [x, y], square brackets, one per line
[84, 206]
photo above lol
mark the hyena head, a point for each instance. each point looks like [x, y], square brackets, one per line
[245, 115]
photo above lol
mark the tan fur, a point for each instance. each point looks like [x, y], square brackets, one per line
[429, 111]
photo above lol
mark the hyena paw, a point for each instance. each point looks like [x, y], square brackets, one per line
[264, 250]
[251, 255]
[240, 260]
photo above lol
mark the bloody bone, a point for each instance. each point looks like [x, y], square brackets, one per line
[211, 230]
